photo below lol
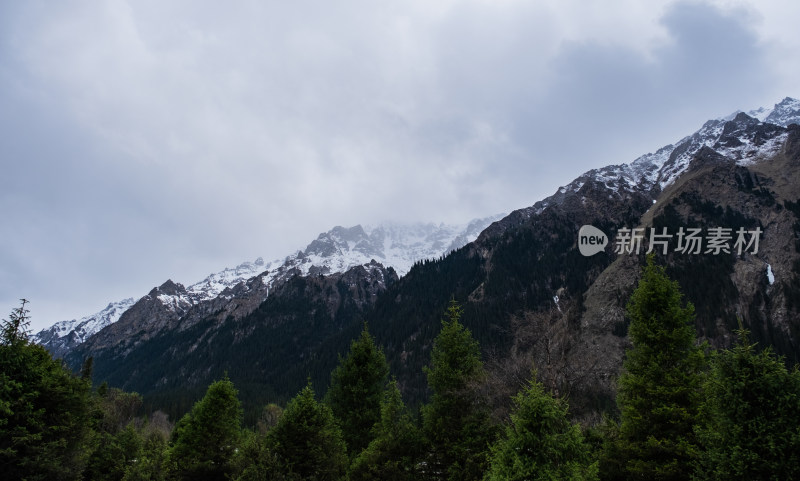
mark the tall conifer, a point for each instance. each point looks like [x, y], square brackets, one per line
[44, 409]
[659, 388]
[456, 423]
[356, 389]
[540, 443]
[751, 416]
[206, 438]
[308, 441]
[394, 453]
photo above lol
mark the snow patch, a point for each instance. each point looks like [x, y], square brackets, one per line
[86, 326]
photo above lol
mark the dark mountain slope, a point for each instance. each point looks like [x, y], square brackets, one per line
[268, 353]
[538, 302]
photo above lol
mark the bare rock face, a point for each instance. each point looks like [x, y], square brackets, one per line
[158, 311]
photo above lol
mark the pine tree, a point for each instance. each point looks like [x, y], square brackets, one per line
[206, 438]
[395, 451]
[44, 409]
[752, 416]
[659, 389]
[540, 443]
[356, 389]
[14, 330]
[456, 422]
[308, 440]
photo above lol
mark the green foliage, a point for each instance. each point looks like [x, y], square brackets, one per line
[659, 389]
[114, 454]
[396, 449]
[356, 389]
[308, 441]
[116, 444]
[456, 423]
[44, 410]
[14, 330]
[257, 461]
[540, 443]
[117, 409]
[206, 438]
[270, 415]
[751, 416]
[150, 461]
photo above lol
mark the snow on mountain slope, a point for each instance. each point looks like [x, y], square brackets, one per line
[64, 335]
[745, 138]
[783, 113]
[393, 245]
[214, 284]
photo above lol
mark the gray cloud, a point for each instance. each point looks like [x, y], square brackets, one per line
[141, 142]
[623, 103]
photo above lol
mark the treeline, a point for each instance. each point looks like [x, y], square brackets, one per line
[684, 412]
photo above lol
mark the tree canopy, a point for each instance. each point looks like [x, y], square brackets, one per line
[356, 389]
[206, 438]
[659, 388]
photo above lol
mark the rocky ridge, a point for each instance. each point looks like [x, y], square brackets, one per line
[237, 291]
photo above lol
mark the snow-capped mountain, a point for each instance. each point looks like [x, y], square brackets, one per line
[527, 290]
[393, 245]
[744, 137]
[336, 251]
[397, 246]
[65, 335]
[783, 113]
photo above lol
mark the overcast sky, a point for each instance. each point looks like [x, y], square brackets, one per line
[147, 140]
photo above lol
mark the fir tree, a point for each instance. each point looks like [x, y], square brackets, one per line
[356, 389]
[659, 389]
[206, 438]
[456, 422]
[394, 453]
[44, 409]
[752, 416]
[308, 440]
[14, 330]
[540, 443]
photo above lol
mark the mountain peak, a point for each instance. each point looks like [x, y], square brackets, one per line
[785, 112]
[169, 288]
[743, 137]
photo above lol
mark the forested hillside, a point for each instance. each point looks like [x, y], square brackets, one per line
[684, 410]
[529, 296]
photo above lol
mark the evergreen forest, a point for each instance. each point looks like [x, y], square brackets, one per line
[683, 411]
